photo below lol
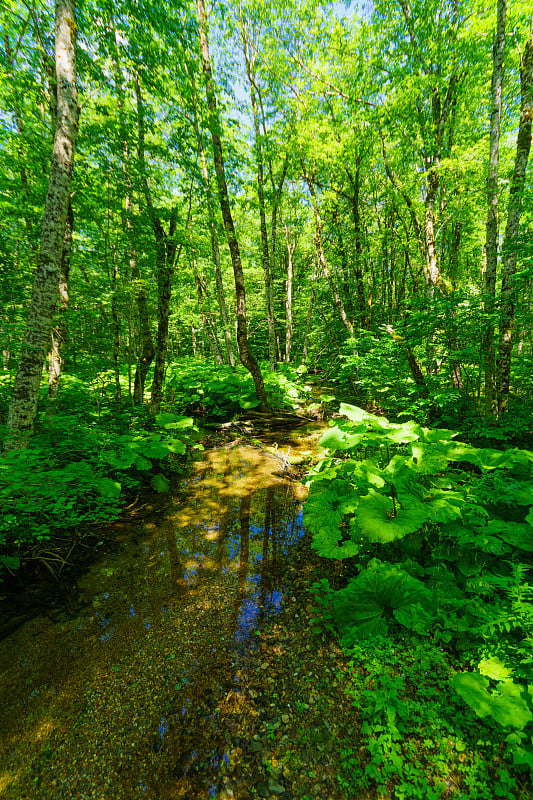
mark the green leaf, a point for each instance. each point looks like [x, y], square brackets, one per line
[473, 689]
[361, 609]
[323, 515]
[494, 668]
[517, 534]
[123, 460]
[10, 562]
[249, 401]
[445, 506]
[354, 413]
[379, 521]
[160, 483]
[523, 756]
[338, 439]
[143, 464]
[408, 432]
[509, 708]
[173, 421]
[108, 488]
[429, 459]
[414, 616]
[176, 446]
[154, 449]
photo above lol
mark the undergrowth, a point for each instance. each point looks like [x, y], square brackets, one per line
[85, 460]
[199, 387]
[436, 608]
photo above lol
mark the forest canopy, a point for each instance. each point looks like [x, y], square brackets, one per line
[346, 189]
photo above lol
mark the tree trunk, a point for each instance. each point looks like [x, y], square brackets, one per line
[165, 250]
[147, 343]
[265, 257]
[523, 146]
[355, 180]
[147, 353]
[246, 356]
[165, 256]
[23, 406]
[276, 202]
[320, 252]
[215, 249]
[207, 320]
[414, 366]
[491, 240]
[116, 337]
[309, 317]
[288, 301]
[59, 331]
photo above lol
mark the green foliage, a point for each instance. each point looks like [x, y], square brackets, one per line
[76, 472]
[219, 391]
[438, 541]
[380, 592]
[417, 739]
[509, 704]
[370, 364]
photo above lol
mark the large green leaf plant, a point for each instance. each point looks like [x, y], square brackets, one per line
[394, 490]
[437, 538]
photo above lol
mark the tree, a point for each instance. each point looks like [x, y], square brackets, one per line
[247, 358]
[510, 242]
[25, 394]
[491, 240]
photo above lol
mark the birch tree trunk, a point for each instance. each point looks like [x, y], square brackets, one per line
[491, 240]
[523, 146]
[248, 359]
[23, 405]
[59, 330]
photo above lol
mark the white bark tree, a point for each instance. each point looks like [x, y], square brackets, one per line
[36, 341]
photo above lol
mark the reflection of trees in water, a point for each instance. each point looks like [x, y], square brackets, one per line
[275, 510]
[244, 560]
[255, 529]
[177, 572]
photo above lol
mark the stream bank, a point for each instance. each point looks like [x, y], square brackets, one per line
[188, 669]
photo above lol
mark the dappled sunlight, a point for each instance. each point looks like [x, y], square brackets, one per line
[111, 695]
[7, 778]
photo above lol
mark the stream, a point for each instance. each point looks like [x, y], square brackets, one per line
[133, 694]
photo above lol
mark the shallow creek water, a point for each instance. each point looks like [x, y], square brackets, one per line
[129, 698]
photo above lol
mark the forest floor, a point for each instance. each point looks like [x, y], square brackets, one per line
[286, 724]
[230, 688]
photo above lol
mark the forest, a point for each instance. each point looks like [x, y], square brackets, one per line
[222, 222]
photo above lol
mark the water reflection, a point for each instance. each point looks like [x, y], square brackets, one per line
[125, 698]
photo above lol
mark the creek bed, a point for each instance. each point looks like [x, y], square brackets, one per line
[141, 693]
